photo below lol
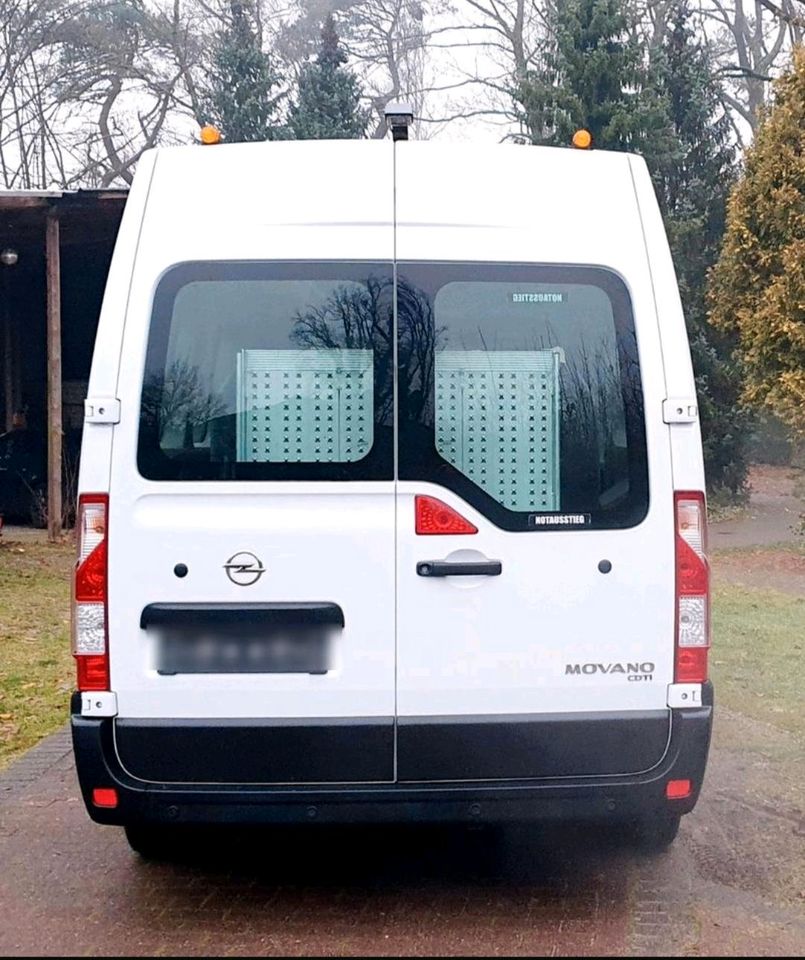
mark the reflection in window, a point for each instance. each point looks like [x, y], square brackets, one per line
[269, 371]
[527, 400]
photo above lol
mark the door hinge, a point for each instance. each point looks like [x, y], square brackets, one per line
[101, 410]
[680, 410]
[99, 704]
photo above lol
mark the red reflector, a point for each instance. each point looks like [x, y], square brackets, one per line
[104, 797]
[90, 576]
[433, 516]
[691, 573]
[691, 664]
[678, 789]
[92, 671]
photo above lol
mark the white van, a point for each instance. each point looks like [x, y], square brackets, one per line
[391, 495]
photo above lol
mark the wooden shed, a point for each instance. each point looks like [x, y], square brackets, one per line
[55, 249]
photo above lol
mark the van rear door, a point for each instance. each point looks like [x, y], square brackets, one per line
[535, 526]
[251, 532]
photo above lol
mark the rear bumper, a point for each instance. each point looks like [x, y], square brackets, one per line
[615, 797]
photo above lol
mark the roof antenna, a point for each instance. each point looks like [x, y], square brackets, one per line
[399, 115]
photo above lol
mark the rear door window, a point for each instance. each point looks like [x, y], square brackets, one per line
[258, 371]
[520, 390]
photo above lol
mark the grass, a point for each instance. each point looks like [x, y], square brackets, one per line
[757, 656]
[36, 669]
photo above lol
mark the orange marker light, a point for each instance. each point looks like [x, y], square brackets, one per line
[582, 139]
[209, 135]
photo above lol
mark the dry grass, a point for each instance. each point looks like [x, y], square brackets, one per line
[36, 669]
[757, 656]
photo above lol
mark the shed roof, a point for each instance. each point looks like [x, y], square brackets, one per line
[85, 215]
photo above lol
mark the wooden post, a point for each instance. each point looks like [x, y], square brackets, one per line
[8, 350]
[52, 253]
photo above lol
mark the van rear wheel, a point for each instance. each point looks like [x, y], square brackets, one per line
[149, 841]
[655, 834]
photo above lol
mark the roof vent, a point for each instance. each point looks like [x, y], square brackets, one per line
[399, 115]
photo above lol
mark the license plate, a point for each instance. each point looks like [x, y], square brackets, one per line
[244, 649]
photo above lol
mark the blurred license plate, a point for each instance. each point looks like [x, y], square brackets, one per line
[244, 649]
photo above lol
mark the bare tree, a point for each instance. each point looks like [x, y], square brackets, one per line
[492, 47]
[120, 72]
[32, 152]
[85, 87]
[749, 40]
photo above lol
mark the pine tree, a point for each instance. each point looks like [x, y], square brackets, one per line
[758, 284]
[328, 101]
[242, 96]
[599, 71]
[593, 76]
[692, 183]
[597, 74]
[693, 179]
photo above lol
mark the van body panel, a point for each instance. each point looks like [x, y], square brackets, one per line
[545, 653]
[686, 441]
[301, 539]
[96, 443]
[530, 746]
[551, 675]
[316, 542]
[551, 634]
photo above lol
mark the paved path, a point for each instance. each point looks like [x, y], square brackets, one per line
[771, 517]
[733, 884]
[70, 887]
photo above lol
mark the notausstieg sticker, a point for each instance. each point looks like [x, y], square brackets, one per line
[559, 519]
[546, 297]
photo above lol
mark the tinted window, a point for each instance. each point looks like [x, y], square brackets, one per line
[520, 390]
[269, 371]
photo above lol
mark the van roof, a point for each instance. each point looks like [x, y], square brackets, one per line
[337, 148]
[224, 201]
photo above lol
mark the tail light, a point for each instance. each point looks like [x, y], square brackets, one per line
[692, 589]
[90, 640]
[433, 516]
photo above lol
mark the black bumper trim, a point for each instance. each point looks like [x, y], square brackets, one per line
[352, 750]
[210, 614]
[612, 797]
[512, 747]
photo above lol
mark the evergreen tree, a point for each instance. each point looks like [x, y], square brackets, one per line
[758, 284]
[593, 76]
[597, 74]
[328, 101]
[242, 96]
[692, 183]
[692, 180]
[599, 71]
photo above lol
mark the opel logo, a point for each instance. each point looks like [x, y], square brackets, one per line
[244, 569]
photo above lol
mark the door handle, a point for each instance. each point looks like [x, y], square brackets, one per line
[449, 568]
